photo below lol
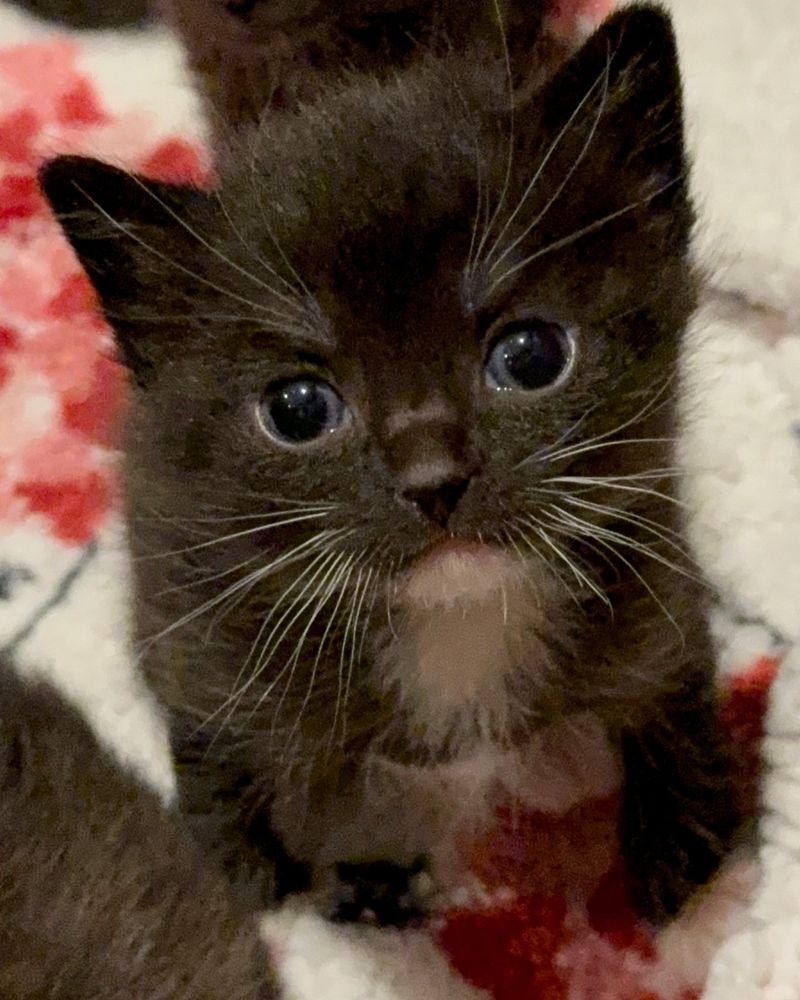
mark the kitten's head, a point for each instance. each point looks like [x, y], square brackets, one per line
[378, 373]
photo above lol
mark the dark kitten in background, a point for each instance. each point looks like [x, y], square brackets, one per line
[400, 463]
[253, 55]
[90, 13]
[103, 893]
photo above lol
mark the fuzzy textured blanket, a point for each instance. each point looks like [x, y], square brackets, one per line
[536, 908]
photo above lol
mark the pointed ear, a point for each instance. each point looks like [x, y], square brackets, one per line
[128, 237]
[614, 115]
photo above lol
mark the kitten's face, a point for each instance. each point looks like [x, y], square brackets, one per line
[365, 368]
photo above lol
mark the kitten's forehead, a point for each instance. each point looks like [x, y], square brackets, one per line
[374, 154]
[373, 197]
[409, 205]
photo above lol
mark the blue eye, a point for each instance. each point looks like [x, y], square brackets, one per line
[529, 354]
[302, 410]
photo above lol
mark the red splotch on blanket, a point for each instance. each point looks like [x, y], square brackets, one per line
[62, 390]
[557, 924]
[566, 931]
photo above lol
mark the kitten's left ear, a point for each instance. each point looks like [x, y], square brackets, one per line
[128, 237]
[615, 110]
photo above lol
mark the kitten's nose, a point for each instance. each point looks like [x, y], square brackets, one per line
[437, 502]
[432, 462]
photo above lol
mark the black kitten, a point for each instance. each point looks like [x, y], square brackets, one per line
[400, 462]
[253, 55]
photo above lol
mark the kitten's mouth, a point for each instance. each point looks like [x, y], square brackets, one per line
[457, 572]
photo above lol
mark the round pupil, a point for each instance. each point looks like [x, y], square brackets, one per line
[301, 411]
[531, 357]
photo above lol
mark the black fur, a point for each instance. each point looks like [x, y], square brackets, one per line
[261, 55]
[336, 246]
[94, 14]
[102, 892]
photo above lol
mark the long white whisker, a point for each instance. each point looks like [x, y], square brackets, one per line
[343, 585]
[237, 692]
[232, 537]
[206, 606]
[226, 607]
[127, 231]
[544, 162]
[510, 539]
[205, 580]
[257, 188]
[329, 583]
[354, 647]
[368, 615]
[506, 536]
[285, 559]
[467, 281]
[299, 509]
[570, 173]
[345, 640]
[583, 449]
[511, 139]
[479, 198]
[280, 630]
[597, 532]
[602, 482]
[651, 405]
[580, 233]
[667, 472]
[547, 449]
[552, 453]
[277, 321]
[582, 577]
[539, 555]
[618, 555]
[292, 299]
[294, 303]
[667, 535]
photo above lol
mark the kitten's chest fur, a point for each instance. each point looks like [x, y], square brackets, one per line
[399, 812]
[469, 636]
[462, 653]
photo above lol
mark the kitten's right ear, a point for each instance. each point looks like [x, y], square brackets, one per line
[623, 89]
[128, 236]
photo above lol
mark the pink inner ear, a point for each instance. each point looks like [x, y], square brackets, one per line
[572, 20]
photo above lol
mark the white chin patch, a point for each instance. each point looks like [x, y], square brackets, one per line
[463, 576]
[467, 619]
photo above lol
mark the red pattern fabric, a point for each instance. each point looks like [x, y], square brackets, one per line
[63, 390]
[577, 936]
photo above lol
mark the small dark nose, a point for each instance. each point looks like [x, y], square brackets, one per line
[438, 502]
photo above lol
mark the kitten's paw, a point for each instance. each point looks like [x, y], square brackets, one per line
[670, 855]
[378, 892]
[680, 813]
[675, 870]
